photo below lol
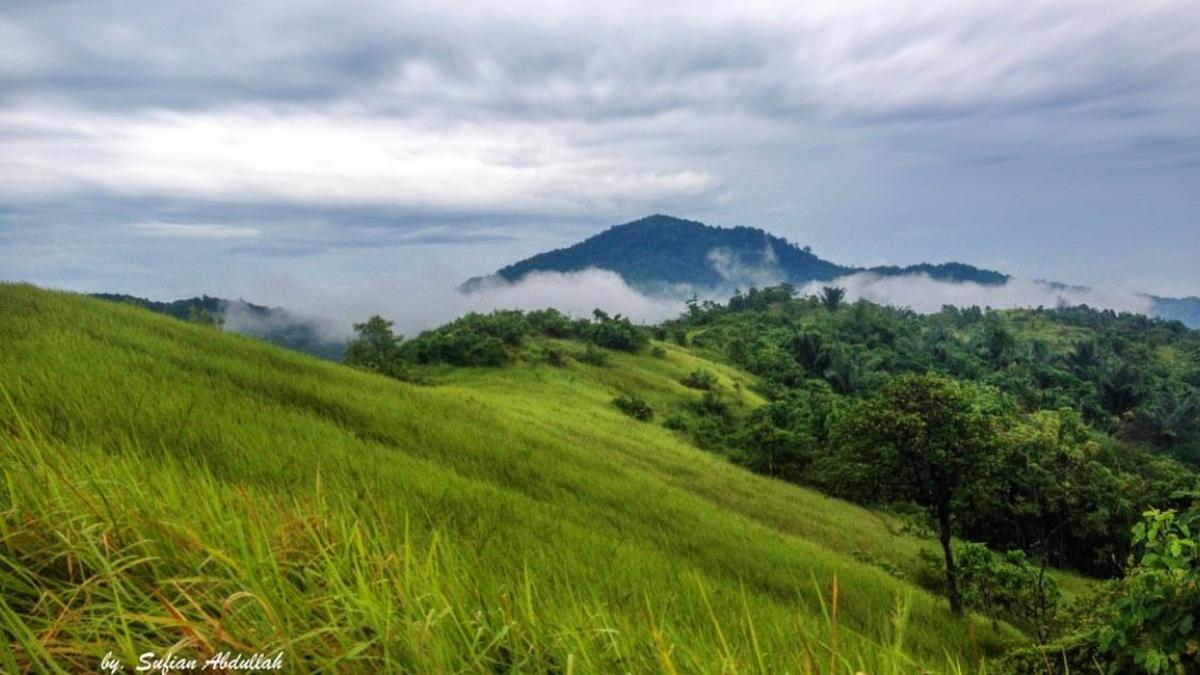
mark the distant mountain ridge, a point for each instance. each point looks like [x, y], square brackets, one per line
[271, 324]
[660, 254]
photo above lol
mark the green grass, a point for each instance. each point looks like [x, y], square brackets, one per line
[167, 486]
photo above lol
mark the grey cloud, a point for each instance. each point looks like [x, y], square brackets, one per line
[334, 128]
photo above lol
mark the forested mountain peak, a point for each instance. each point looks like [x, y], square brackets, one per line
[661, 252]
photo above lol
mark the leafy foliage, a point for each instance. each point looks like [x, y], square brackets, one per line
[1156, 623]
[1008, 586]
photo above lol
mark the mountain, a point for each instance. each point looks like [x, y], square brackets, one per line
[662, 254]
[665, 250]
[272, 324]
[659, 252]
[177, 485]
[1185, 310]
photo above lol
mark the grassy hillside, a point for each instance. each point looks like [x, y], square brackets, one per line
[169, 486]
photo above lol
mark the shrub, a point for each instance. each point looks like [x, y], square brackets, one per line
[593, 356]
[472, 340]
[552, 323]
[554, 356]
[700, 379]
[616, 332]
[676, 422]
[1156, 617]
[1007, 586]
[635, 407]
[711, 405]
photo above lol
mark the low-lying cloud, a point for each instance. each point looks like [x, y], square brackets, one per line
[331, 310]
[417, 307]
[737, 271]
[922, 293]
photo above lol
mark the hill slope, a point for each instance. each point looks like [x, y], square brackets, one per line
[168, 484]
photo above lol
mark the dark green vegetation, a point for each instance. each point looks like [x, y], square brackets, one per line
[1155, 622]
[1042, 434]
[169, 484]
[272, 324]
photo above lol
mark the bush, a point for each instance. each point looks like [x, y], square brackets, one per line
[676, 422]
[472, 340]
[635, 407]
[593, 356]
[1156, 618]
[552, 323]
[554, 356]
[1007, 586]
[700, 379]
[616, 332]
[711, 405]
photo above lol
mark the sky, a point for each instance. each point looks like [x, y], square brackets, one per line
[286, 150]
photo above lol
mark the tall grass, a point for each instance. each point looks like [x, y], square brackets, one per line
[167, 487]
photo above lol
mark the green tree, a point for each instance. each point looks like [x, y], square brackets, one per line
[923, 439]
[1121, 387]
[832, 296]
[199, 315]
[376, 348]
[811, 352]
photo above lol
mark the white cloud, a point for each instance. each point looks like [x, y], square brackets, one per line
[924, 294]
[736, 271]
[417, 305]
[195, 231]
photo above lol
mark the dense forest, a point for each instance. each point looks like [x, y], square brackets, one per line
[1021, 440]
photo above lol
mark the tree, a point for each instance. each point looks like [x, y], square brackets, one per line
[832, 296]
[1121, 387]
[923, 439]
[376, 348]
[203, 317]
[810, 351]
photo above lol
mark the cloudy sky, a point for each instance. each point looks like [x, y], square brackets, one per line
[172, 148]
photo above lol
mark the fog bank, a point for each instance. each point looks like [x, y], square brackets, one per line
[924, 294]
